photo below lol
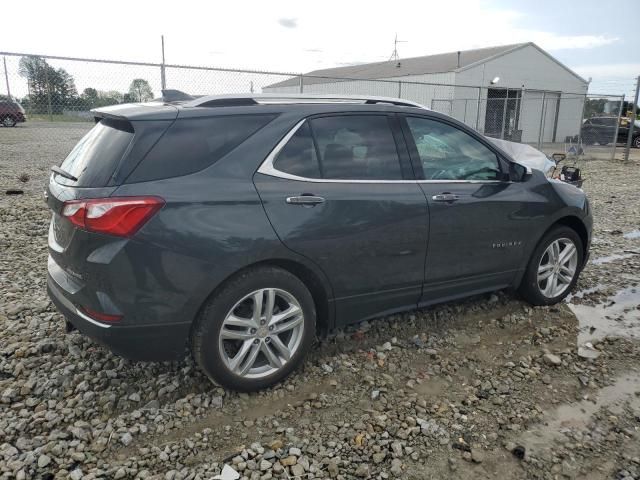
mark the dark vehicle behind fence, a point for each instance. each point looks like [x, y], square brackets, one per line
[602, 130]
[240, 226]
[11, 112]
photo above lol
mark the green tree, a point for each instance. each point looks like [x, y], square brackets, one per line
[140, 90]
[50, 90]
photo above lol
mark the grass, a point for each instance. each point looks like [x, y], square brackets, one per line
[43, 117]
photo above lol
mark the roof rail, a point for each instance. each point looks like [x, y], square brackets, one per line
[277, 98]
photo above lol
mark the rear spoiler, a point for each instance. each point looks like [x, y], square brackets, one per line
[170, 96]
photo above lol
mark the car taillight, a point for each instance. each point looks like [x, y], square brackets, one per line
[119, 216]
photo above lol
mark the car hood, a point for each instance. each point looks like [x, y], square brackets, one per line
[524, 154]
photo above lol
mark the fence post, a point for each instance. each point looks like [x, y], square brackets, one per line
[301, 84]
[542, 113]
[6, 76]
[399, 89]
[163, 78]
[615, 135]
[478, 110]
[581, 120]
[46, 79]
[632, 122]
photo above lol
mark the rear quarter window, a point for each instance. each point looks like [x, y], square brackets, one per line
[95, 157]
[192, 144]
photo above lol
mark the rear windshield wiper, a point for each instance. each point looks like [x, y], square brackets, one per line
[63, 173]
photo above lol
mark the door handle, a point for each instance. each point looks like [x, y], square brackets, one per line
[445, 197]
[305, 200]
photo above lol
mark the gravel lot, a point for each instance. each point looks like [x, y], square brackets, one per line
[484, 388]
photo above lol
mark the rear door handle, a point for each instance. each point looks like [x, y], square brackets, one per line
[445, 197]
[305, 200]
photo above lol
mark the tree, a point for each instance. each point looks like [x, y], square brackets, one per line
[50, 90]
[140, 90]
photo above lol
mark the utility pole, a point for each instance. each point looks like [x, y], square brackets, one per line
[632, 120]
[163, 79]
[6, 77]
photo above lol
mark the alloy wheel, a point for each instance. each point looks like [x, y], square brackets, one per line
[557, 267]
[8, 122]
[261, 333]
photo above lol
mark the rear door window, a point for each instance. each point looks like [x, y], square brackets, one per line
[193, 144]
[95, 157]
[356, 147]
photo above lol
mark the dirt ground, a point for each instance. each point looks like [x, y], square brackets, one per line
[488, 387]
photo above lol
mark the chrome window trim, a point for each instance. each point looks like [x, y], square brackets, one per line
[267, 168]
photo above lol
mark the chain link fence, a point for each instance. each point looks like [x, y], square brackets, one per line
[59, 91]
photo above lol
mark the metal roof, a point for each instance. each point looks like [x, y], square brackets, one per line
[440, 63]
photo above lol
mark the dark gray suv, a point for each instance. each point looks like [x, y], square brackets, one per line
[240, 226]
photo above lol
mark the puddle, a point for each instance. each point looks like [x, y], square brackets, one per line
[633, 234]
[587, 291]
[618, 317]
[576, 416]
[611, 258]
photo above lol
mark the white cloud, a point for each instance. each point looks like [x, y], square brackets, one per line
[626, 71]
[288, 22]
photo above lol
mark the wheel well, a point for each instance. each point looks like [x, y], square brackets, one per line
[315, 286]
[306, 276]
[576, 225]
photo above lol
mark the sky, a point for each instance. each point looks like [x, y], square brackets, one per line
[299, 36]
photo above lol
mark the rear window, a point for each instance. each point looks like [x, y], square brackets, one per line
[193, 144]
[94, 159]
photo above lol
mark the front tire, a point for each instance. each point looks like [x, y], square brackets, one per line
[554, 267]
[636, 142]
[255, 330]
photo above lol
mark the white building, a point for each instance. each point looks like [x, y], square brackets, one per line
[536, 99]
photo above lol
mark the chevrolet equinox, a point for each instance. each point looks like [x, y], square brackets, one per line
[239, 226]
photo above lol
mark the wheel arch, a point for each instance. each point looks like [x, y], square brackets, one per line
[572, 221]
[318, 287]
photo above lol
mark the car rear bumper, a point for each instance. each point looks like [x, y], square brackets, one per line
[143, 343]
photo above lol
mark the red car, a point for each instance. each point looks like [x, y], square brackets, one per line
[11, 112]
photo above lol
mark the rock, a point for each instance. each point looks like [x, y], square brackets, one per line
[297, 470]
[333, 469]
[43, 460]
[379, 457]
[477, 455]
[362, 471]
[265, 465]
[126, 439]
[551, 359]
[76, 474]
[295, 451]
[588, 353]
[396, 467]
[289, 461]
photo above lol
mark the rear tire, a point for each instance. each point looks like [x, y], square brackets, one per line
[551, 262]
[9, 121]
[247, 349]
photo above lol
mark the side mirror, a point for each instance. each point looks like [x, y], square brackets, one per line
[519, 173]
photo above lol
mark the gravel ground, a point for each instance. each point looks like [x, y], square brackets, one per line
[484, 388]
